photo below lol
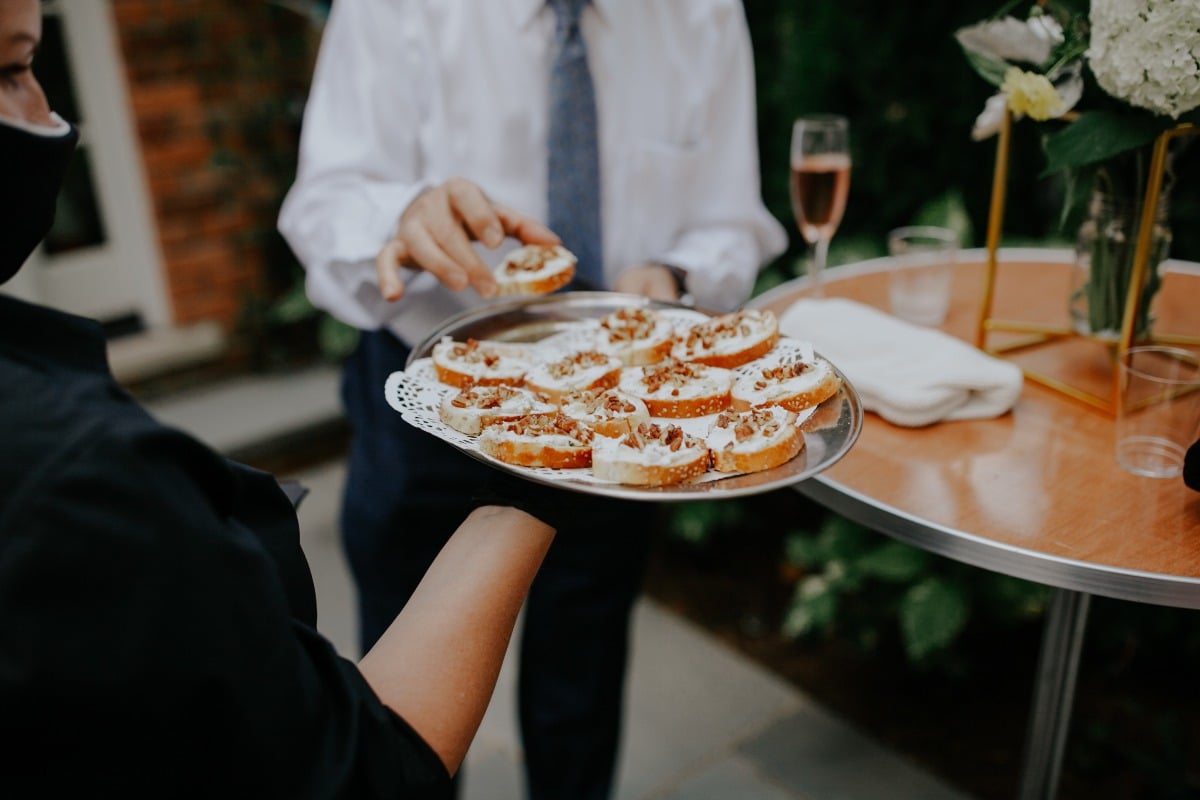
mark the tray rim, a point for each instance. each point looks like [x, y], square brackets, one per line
[740, 485]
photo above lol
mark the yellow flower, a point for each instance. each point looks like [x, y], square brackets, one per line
[1031, 94]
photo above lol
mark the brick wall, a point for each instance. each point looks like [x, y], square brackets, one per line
[215, 87]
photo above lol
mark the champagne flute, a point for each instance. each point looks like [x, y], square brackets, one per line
[820, 182]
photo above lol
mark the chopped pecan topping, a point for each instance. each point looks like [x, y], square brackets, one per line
[585, 398]
[672, 437]
[475, 352]
[556, 424]
[615, 404]
[750, 423]
[531, 259]
[483, 396]
[628, 325]
[781, 373]
[671, 373]
[568, 366]
[706, 335]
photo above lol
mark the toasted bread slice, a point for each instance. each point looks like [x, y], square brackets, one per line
[475, 407]
[729, 340]
[483, 363]
[755, 440]
[794, 384]
[534, 269]
[539, 440]
[584, 370]
[650, 455]
[637, 336]
[607, 413]
[675, 389]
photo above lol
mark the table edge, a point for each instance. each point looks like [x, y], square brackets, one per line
[1058, 571]
[978, 255]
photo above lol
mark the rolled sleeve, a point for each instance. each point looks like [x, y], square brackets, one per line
[731, 234]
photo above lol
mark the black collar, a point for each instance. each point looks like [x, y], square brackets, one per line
[41, 334]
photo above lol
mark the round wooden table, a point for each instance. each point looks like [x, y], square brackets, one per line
[1036, 493]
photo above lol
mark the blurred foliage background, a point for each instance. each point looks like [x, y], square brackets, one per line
[896, 71]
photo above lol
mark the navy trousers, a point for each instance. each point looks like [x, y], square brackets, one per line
[406, 492]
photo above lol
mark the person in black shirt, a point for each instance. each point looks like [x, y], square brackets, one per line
[157, 615]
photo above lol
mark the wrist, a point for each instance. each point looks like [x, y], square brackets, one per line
[679, 275]
[506, 496]
[499, 512]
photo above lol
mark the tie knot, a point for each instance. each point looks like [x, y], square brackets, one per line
[568, 12]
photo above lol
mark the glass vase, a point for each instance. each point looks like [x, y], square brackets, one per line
[1103, 267]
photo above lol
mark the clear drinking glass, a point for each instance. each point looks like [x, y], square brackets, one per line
[820, 182]
[1158, 415]
[923, 258]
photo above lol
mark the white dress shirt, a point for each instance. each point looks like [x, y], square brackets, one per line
[408, 93]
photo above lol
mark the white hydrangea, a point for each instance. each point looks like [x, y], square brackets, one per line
[1147, 52]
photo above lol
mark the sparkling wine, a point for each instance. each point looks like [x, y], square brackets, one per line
[820, 184]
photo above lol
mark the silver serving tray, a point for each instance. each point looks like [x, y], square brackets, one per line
[829, 433]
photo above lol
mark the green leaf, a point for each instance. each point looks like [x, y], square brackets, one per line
[694, 522]
[732, 512]
[840, 538]
[894, 562]
[1099, 135]
[801, 550]
[948, 210]
[813, 587]
[336, 339]
[1010, 599]
[836, 573]
[990, 69]
[867, 638]
[293, 306]
[852, 249]
[932, 614]
[813, 608]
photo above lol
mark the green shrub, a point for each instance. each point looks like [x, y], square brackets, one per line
[859, 585]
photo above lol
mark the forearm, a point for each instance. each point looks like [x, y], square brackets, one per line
[437, 664]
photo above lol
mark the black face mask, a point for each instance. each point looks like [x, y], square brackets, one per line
[31, 173]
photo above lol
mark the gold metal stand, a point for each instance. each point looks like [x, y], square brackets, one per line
[1039, 334]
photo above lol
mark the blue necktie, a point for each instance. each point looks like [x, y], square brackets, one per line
[573, 188]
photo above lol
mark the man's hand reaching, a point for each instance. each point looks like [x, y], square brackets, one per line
[436, 231]
[649, 280]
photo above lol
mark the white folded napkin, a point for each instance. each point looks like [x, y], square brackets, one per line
[908, 374]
